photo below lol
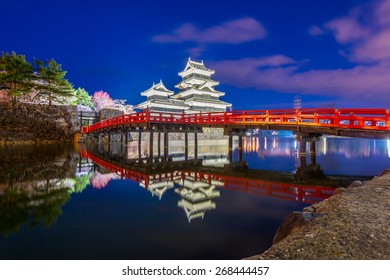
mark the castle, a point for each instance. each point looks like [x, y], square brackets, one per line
[196, 93]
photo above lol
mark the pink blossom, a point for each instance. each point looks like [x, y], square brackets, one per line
[102, 99]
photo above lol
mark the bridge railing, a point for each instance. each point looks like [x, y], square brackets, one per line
[371, 119]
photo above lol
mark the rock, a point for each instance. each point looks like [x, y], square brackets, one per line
[339, 190]
[385, 172]
[60, 120]
[355, 184]
[309, 209]
[293, 222]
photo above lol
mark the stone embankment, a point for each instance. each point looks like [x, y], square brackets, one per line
[352, 224]
[28, 123]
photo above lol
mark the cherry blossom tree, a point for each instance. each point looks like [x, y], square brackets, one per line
[102, 99]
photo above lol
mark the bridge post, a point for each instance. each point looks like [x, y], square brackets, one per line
[313, 153]
[186, 145]
[166, 144]
[123, 157]
[139, 144]
[159, 144]
[100, 146]
[311, 170]
[110, 149]
[302, 147]
[126, 136]
[151, 145]
[230, 148]
[240, 148]
[196, 145]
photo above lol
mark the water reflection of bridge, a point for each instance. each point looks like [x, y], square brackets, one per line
[198, 184]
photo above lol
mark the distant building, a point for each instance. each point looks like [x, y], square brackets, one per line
[157, 100]
[297, 103]
[197, 93]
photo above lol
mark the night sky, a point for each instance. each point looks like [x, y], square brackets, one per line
[330, 52]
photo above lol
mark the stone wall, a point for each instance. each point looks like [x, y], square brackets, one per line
[24, 122]
[105, 114]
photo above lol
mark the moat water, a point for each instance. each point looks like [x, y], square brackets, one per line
[114, 202]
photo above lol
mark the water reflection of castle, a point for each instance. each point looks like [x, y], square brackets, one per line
[196, 193]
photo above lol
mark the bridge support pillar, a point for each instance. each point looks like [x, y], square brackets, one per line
[126, 136]
[100, 147]
[310, 138]
[240, 148]
[124, 157]
[166, 145]
[159, 144]
[230, 148]
[151, 146]
[196, 145]
[139, 144]
[311, 170]
[186, 145]
[312, 153]
[302, 148]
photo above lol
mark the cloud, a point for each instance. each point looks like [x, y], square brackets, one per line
[195, 51]
[364, 38]
[382, 13]
[316, 30]
[232, 32]
[360, 82]
[347, 30]
[364, 32]
[375, 49]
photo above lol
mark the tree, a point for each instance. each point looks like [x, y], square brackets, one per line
[82, 98]
[16, 75]
[102, 99]
[51, 81]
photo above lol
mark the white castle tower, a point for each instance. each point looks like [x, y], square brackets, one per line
[157, 100]
[197, 89]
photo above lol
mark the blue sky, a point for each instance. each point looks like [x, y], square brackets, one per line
[330, 52]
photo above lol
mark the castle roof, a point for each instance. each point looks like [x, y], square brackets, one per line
[157, 89]
[163, 103]
[194, 66]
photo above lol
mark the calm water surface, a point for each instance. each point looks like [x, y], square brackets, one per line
[103, 202]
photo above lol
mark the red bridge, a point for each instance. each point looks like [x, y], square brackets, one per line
[344, 122]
